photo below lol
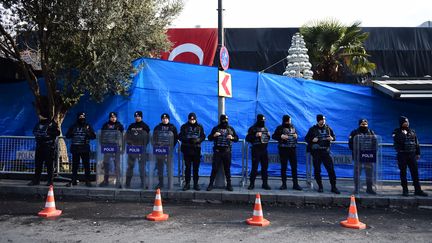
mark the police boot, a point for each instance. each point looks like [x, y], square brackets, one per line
[265, 186]
[186, 186]
[33, 183]
[196, 187]
[420, 193]
[284, 186]
[297, 187]
[229, 186]
[405, 191]
[334, 189]
[320, 186]
[128, 181]
[104, 182]
[210, 186]
[370, 190]
[161, 183]
[251, 185]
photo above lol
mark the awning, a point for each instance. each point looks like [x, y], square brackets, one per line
[405, 89]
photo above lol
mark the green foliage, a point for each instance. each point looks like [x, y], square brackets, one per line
[85, 47]
[335, 48]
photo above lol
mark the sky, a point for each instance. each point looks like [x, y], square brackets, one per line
[291, 13]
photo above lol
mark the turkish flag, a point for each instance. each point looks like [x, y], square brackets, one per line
[195, 46]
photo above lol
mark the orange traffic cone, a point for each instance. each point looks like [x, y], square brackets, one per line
[50, 208]
[352, 221]
[157, 214]
[257, 218]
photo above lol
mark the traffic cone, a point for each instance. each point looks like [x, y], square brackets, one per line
[50, 208]
[257, 218]
[157, 214]
[352, 221]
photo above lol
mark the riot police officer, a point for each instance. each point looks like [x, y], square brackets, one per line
[222, 135]
[137, 134]
[407, 147]
[107, 135]
[364, 132]
[259, 136]
[45, 131]
[165, 134]
[191, 136]
[80, 133]
[286, 135]
[319, 138]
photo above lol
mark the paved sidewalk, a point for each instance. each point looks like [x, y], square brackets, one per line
[388, 197]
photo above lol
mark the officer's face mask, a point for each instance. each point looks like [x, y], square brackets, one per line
[224, 123]
[261, 123]
[81, 120]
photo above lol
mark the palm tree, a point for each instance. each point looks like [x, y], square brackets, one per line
[335, 49]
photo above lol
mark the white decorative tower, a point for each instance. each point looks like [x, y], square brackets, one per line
[298, 59]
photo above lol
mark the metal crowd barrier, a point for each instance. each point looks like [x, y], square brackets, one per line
[17, 156]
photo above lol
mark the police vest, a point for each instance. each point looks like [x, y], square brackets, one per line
[137, 136]
[410, 143]
[265, 137]
[222, 140]
[110, 135]
[323, 134]
[80, 136]
[291, 142]
[193, 132]
[41, 134]
[164, 136]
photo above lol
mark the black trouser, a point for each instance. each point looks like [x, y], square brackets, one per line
[369, 168]
[259, 155]
[285, 154]
[408, 160]
[161, 160]
[44, 154]
[221, 157]
[107, 165]
[85, 158]
[131, 164]
[323, 156]
[192, 160]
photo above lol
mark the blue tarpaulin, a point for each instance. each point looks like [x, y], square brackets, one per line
[178, 88]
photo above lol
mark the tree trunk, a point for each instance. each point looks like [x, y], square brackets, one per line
[63, 159]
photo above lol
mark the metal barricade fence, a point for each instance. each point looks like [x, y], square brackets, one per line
[17, 156]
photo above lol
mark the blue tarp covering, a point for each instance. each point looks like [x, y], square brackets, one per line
[177, 88]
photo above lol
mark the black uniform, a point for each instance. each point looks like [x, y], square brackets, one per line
[191, 137]
[287, 150]
[80, 133]
[320, 151]
[111, 138]
[406, 143]
[137, 134]
[222, 150]
[259, 151]
[165, 135]
[45, 133]
[358, 165]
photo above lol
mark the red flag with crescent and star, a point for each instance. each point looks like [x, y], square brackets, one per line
[192, 45]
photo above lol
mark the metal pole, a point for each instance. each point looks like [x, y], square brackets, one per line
[220, 177]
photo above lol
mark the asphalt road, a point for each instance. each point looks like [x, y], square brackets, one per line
[105, 221]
